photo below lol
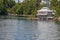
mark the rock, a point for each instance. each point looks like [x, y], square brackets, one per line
[58, 18]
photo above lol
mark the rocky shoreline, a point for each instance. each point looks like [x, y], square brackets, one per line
[57, 18]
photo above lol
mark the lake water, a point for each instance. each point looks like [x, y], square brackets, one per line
[15, 29]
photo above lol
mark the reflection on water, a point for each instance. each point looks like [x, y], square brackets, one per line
[48, 31]
[14, 29]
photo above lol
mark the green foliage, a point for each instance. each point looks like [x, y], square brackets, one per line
[2, 8]
[4, 5]
[27, 7]
[55, 5]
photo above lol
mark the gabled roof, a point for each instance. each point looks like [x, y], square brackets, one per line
[45, 9]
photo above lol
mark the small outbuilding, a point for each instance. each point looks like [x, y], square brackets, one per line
[45, 14]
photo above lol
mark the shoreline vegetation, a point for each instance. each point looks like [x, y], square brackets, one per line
[27, 8]
[25, 17]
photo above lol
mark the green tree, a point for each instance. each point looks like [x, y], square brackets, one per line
[58, 9]
[3, 10]
[27, 7]
[9, 3]
[55, 5]
[4, 5]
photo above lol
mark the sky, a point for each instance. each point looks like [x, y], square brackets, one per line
[17, 0]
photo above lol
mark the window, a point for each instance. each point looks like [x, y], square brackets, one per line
[42, 12]
[49, 13]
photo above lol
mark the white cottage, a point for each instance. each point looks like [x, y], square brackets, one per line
[45, 13]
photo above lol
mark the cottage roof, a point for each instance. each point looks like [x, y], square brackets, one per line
[45, 9]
